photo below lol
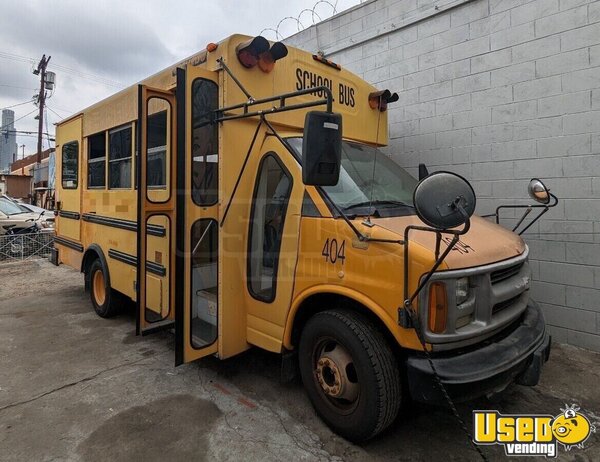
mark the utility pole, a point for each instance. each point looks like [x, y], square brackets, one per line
[41, 71]
[23, 149]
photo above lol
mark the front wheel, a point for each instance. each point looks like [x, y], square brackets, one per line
[350, 374]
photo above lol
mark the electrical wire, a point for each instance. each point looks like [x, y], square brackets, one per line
[68, 70]
[15, 105]
[87, 75]
[14, 57]
[47, 131]
[55, 113]
[15, 86]
[16, 120]
[62, 109]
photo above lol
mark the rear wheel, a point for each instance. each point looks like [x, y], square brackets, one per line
[350, 374]
[104, 299]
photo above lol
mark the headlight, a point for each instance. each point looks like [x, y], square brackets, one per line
[462, 290]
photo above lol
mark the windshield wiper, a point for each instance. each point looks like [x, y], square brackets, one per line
[379, 203]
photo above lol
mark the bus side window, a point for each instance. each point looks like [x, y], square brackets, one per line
[70, 165]
[271, 196]
[97, 160]
[119, 158]
[205, 149]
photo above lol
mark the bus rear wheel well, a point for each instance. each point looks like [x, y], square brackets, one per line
[92, 253]
[327, 301]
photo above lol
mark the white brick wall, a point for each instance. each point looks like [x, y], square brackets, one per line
[499, 91]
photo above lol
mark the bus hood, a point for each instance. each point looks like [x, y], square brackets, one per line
[486, 242]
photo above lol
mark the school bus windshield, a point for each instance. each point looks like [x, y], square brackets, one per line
[369, 176]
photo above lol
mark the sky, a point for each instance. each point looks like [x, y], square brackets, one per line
[99, 47]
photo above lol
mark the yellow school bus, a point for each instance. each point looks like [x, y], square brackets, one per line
[240, 198]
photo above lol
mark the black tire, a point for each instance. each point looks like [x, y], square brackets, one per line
[374, 368]
[111, 305]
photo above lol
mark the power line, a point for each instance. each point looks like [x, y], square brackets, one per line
[25, 132]
[68, 70]
[20, 104]
[87, 75]
[62, 109]
[16, 120]
[14, 57]
[55, 113]
[15, 86]
[47, 134]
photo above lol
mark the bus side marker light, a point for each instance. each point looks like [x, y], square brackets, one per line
[438, 307]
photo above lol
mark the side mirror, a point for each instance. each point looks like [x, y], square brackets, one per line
[538, 191]
[423, 172]
[444, 200]
[322, 148]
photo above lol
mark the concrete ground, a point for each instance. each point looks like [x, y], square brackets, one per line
[74, 386]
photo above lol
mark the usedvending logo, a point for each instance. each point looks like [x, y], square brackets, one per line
[533, 435]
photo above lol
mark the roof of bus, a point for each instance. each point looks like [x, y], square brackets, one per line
[298, 70]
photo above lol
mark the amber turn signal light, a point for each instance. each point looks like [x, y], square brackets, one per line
[381, 99]
[438, 307]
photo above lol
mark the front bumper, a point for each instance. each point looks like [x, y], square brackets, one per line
[516, 357]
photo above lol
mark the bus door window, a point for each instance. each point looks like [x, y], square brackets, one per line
[271, 197]
[158, 136]
[204, 261]
[205, 149]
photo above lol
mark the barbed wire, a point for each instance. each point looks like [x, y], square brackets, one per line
[314, 18]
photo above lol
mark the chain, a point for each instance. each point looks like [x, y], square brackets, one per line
[417, 326]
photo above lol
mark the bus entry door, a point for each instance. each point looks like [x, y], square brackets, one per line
[198, 237]
[156, 180]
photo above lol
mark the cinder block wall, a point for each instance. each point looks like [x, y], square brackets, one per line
[499, 91]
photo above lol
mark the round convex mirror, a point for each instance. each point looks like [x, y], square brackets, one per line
[538, 191]
[434, 199]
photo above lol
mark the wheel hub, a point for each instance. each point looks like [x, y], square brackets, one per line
[98, 287]
[332, 374]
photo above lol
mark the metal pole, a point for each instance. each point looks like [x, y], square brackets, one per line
[42, 97]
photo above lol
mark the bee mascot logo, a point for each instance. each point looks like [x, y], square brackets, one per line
[533, 434]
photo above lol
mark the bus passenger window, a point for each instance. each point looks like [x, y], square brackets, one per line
[97, 161]
[205, 149]
[271, 197]
[204, 261]
[119, 158]
[70, 165]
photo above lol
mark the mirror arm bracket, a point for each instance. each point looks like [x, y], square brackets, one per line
[529, 209]
[407, 317]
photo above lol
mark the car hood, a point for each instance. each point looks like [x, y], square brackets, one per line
[486, 242]
[21, 217]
